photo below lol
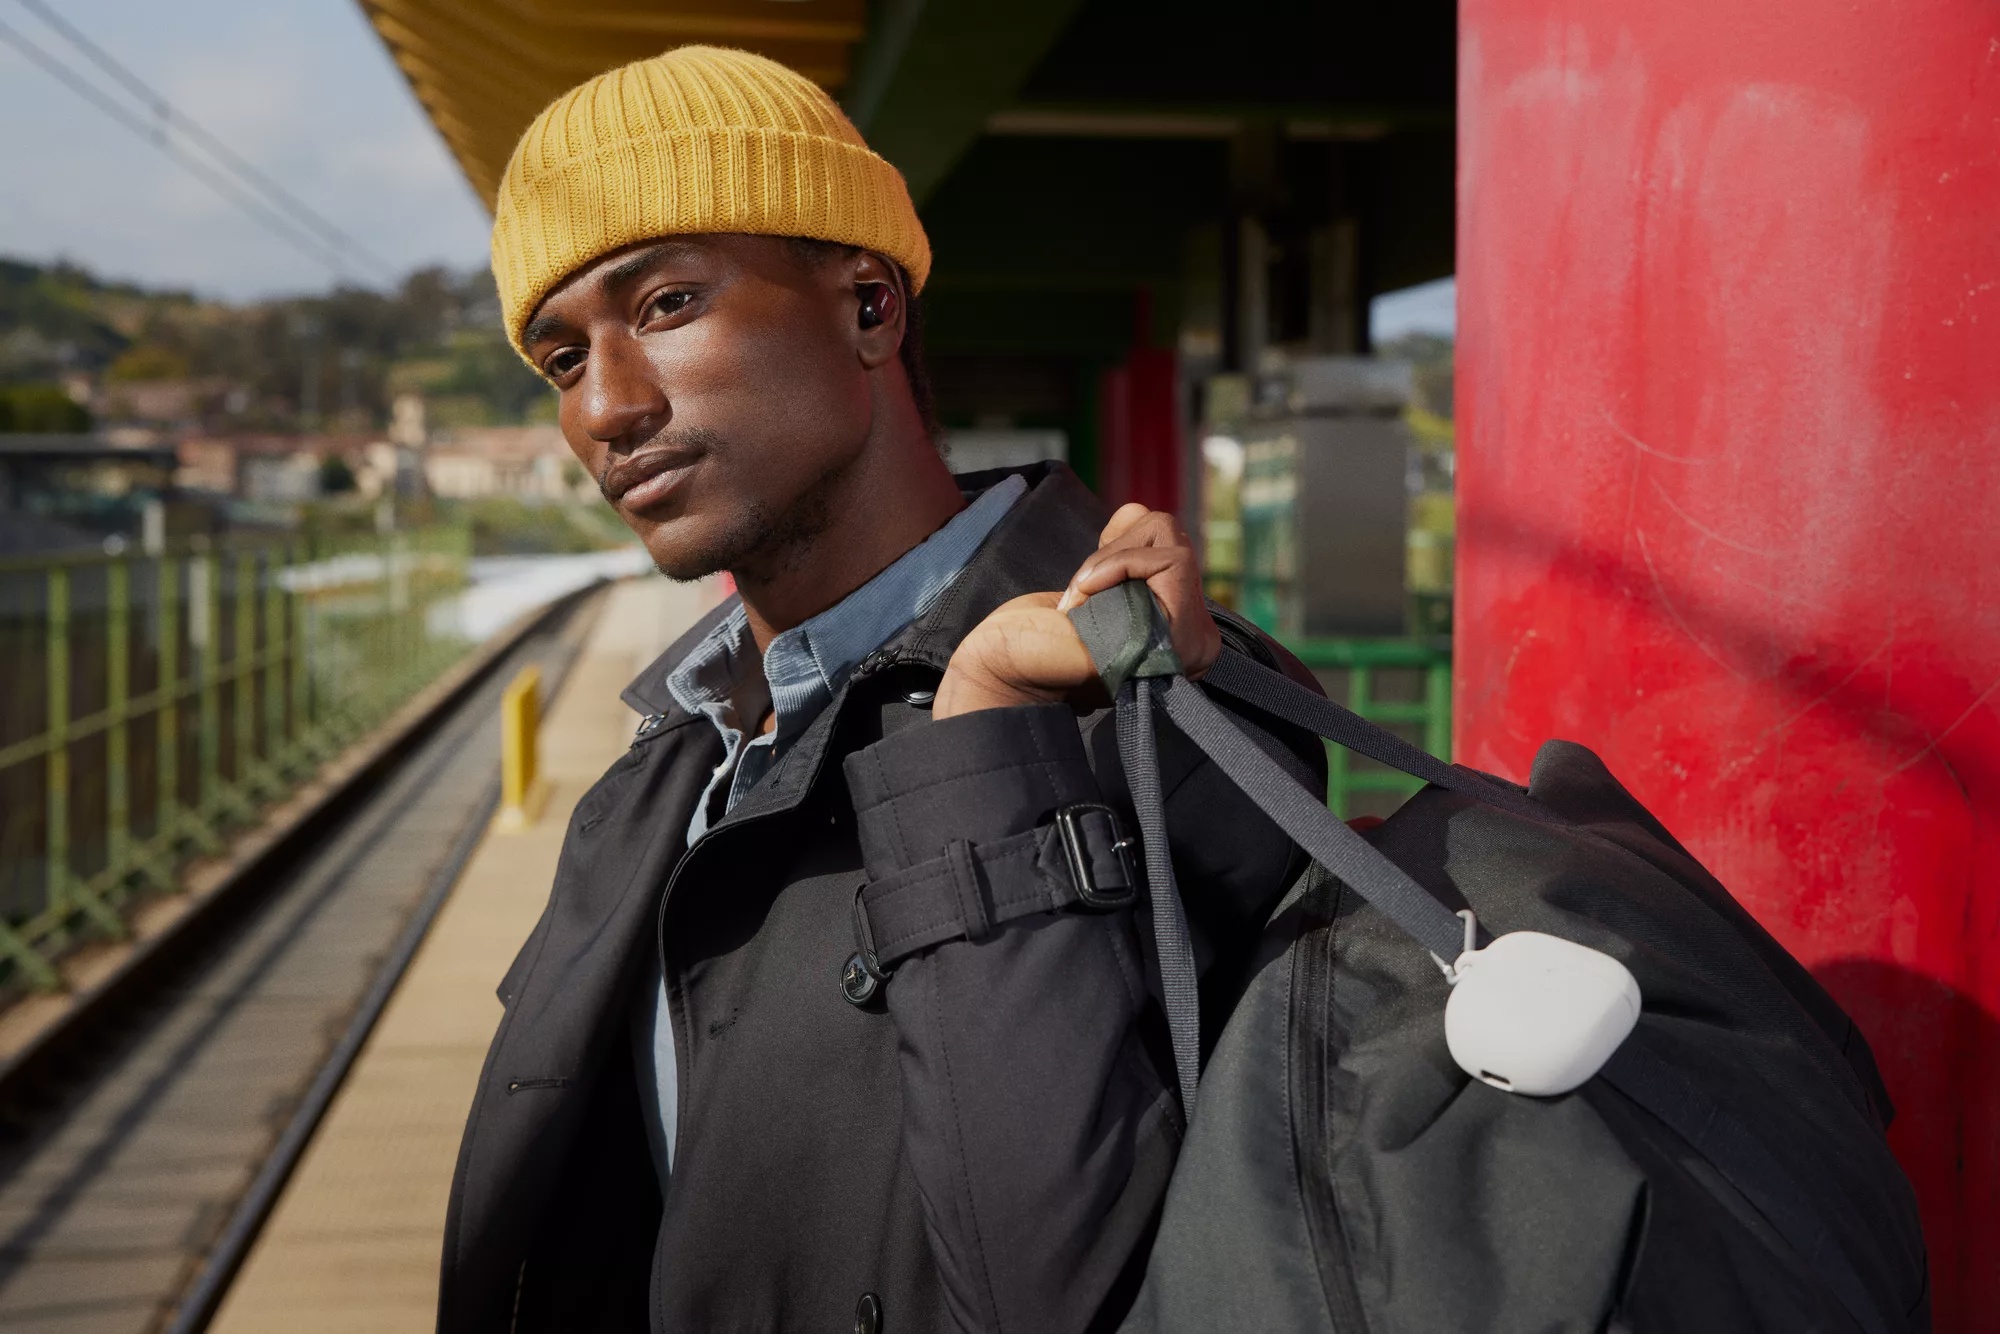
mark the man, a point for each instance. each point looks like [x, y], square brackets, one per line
[725, 1095]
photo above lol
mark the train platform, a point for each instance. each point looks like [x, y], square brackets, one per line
[353, 1242]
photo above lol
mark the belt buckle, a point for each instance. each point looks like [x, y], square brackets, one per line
[1069, 828]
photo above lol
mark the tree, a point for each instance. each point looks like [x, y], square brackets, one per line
[41, 407]
[335, 477]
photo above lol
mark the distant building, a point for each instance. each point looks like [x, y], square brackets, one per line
[169, 402]
[286, 469]
[279, 479]
[524, 461]
[388, 469]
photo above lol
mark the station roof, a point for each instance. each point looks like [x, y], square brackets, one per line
[483, 68]
[925, 81]
[1072, 160]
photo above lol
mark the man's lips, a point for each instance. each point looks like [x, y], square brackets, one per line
[648, 477]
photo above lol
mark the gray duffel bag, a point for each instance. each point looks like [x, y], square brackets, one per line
[1723, 1168]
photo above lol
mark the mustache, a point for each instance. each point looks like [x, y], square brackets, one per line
[670, 449]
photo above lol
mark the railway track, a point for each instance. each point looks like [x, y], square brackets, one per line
[142, 1157]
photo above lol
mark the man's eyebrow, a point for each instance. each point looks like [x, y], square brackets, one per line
[611, 281]
[543, 326]
[622, 274]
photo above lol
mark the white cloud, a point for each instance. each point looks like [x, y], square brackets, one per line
[302, 89]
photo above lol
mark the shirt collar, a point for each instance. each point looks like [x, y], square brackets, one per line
[804, 665]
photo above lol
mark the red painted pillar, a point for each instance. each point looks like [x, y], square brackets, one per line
[1139, 433]
[1729, 405]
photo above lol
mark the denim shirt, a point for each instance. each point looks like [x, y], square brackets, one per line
[800, 672]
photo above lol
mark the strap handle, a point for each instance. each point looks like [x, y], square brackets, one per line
[1261, 688]
[1130, 644]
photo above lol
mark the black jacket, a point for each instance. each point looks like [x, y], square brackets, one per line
[984, 1145]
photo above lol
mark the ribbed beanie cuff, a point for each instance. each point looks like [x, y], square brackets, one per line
[698, 140]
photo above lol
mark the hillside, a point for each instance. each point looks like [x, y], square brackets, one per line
[336, 360]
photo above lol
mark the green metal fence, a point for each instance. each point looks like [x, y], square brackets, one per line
[148, 705]
[1403, 684]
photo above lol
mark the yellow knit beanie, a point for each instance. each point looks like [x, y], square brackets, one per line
[701, 139]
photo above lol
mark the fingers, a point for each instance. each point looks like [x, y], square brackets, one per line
[1025, 652]
[1128, 514]
[1132, 528]
[1149, 546]
[1108, 569]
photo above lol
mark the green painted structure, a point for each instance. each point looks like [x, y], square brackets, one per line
[161, 702]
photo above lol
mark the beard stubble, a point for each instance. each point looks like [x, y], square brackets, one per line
[759, 541]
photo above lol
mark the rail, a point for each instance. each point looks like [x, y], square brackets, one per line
[1424, 667]
[150, 704]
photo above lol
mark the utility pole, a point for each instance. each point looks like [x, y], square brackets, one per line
[307, 329]
[350, 383]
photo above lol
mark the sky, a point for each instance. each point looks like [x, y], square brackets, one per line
[305, 91]
[301, 88]
[1430, 308]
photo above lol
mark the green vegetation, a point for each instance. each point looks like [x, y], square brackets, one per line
[146, 361]
[332, 360]
[505, 526]
[1430, 357]
[495, 525]
[40, 407]
[335, 477]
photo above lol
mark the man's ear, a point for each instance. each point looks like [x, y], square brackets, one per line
[880, 306]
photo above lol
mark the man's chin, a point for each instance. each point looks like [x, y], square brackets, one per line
[684, 570]
[686, 548]
[684, 562]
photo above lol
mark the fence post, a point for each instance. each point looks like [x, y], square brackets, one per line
[403, 654]
[302, 700]
[202, 631]
[57, 801]
[1437, 709]
[117, 742]
[1360, 698]
[244, 664]
[167, 722]
[274, 662]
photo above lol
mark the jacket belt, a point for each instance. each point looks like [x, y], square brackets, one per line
[1081, 859]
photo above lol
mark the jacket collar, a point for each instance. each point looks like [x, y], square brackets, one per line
[1035, 548]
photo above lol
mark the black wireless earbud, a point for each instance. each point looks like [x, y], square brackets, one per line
[876, 305]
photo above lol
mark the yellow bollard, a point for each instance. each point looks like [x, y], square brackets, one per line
[523, 790]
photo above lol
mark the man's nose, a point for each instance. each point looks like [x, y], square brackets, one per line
[624, 404]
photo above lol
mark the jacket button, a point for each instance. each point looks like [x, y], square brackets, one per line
[920, 699]
[859, 986]
[868, 1314]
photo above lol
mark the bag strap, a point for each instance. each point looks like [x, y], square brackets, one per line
[1125, 626]
[1258, 686]
[1126, 632]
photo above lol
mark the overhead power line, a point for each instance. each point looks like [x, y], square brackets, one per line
[298, 210]
[235, 179]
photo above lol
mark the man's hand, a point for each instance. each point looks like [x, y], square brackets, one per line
[1027, 652]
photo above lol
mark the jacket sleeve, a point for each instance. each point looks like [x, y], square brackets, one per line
[1039, 1127]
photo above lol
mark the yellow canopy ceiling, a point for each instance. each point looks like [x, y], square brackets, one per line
[483, 68]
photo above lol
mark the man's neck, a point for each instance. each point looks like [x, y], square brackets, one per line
[886, 504]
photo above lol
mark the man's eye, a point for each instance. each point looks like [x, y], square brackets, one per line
[563, 362]
[669, 303]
